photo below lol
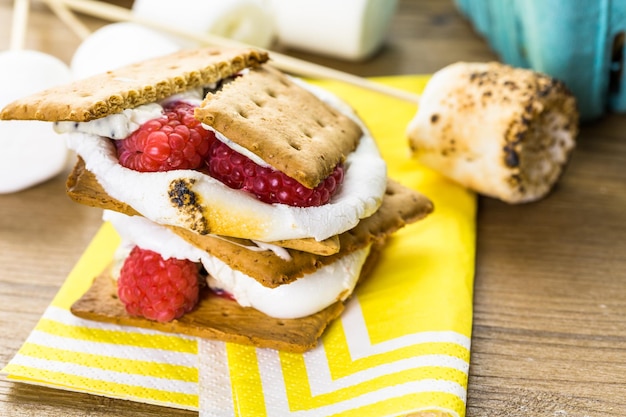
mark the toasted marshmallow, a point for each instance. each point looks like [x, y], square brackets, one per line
[237, 213]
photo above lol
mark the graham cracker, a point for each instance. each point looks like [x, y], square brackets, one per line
[400, 206]
[281, 122]
[133, 85]
[218, 318]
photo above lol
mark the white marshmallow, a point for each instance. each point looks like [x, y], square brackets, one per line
[303, 297]
[346, 29]
[359, 196]
[30, 144]
[116, 45]
[242, 20]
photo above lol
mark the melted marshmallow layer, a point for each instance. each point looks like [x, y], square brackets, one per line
[303, 297]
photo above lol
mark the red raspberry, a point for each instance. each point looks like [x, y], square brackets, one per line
[271, 186]
[175, 141]
[156, 288]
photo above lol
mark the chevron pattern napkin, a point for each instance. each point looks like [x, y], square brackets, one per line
[401, 347]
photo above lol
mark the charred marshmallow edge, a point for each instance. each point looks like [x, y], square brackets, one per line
[359, 196]
[301, 298]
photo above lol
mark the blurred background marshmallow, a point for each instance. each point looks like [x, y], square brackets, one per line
[246, 21]
[344, 29]
[30, 151]
[116, 45]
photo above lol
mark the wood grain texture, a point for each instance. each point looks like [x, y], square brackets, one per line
[549, 333]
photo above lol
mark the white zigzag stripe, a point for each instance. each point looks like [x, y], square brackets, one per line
[113, 350]
[163, 384]
[276, 402]
[216, 398]
[321, 381]
[360, 345]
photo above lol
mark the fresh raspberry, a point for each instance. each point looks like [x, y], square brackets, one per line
[271, 186]
[156, 288]
[174, 141]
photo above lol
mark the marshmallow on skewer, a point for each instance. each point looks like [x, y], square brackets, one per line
[503, 132]
[242, 20]
[116, 45]
[31, 151]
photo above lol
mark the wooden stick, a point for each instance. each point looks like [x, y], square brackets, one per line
[286, 63]
[71, 21]
[19, 24]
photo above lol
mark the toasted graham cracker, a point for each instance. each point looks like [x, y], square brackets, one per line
[133, 85]
[400, 206]
[281, 122]
[308, 244]
[83, 187]
[218, 318]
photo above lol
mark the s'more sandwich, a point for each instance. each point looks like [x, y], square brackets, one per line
[249, 203]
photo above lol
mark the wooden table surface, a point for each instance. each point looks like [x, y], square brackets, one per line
[549, 336]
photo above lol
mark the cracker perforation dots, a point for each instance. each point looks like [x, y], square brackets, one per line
[302, 137]
[242, 113]
[295, 146]
[136, 84]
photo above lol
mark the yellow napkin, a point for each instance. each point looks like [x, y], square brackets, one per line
[401, 347]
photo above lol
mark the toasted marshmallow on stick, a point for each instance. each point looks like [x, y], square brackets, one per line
[503, 132]
[177, 180]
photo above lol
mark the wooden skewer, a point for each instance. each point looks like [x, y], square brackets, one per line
[18, 24]
[69, 18]
[286, 63]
